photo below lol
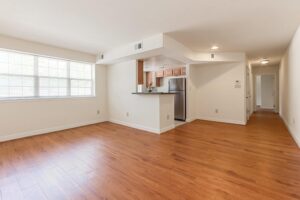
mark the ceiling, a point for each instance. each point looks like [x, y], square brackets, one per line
[261, 28]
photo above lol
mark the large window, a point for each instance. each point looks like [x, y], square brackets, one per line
[30, 76]
[80, 79]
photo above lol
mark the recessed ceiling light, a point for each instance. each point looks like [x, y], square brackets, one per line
[264, 61]
[214, 47]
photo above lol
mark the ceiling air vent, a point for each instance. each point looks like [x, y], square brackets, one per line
[138, 46]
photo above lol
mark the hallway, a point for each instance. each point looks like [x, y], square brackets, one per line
[198, 160]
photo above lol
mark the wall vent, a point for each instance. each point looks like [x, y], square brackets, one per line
[138, 46]
[212, 56]
[100, 56]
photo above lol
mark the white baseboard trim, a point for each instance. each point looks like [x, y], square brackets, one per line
[47, 130]
[229, 121]
[141, 127]
[136, 126]
[269, 108]
[294, 136]
[162, 130]
[190, 119]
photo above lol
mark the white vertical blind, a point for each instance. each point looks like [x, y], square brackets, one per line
[29, 76]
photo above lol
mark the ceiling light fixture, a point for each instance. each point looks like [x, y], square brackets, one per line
[264, 61]
[214, 47]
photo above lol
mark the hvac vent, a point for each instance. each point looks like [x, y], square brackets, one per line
[138, 46]
[101, 56]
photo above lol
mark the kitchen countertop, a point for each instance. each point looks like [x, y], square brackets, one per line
[154, 93]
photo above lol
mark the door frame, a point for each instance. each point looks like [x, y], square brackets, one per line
[275, 90]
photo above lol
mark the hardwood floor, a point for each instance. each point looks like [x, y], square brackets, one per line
[198, 160]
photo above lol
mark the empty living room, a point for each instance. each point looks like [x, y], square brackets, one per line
[149, 100]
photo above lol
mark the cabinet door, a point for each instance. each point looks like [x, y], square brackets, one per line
[140, 72]
[183, 71]
[160, 74]
[158, 82]
[177, 72]
[168, 72]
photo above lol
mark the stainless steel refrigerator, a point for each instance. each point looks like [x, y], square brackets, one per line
[178, 86]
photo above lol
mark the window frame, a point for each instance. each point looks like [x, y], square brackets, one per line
[37, 77]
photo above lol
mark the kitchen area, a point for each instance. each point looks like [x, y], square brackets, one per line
[156, 83]
[166, 78]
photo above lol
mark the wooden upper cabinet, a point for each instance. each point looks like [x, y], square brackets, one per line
[183, 70]
[140, 71]
[159, 74]
[177, 72]
[168, 72]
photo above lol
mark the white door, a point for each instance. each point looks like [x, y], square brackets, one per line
[267, 92]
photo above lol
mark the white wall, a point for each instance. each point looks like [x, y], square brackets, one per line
[159, 62]
[147, 112]
[251, 88]
[166, 112]
[191, 93]
[215, 89]
[290, 87]
[22, 118]
[42, 49]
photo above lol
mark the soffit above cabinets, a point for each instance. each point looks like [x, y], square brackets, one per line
[163, 45]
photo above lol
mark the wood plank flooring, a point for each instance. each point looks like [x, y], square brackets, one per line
[198, 160]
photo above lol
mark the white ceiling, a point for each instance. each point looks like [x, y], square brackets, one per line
[261, 28]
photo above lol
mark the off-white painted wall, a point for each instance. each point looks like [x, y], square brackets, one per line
[289, 87]
[21, 118]
[153, 113]
[214, 88]
[42, 49]
[267, 91]
[166, 112]
[191, 93]
[248, 93]
[251, 87]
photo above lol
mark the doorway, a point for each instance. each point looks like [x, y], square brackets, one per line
[265, 92]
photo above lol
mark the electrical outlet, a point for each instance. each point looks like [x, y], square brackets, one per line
[98, 112]
[127, 114]
[168, 117]
[216, 111]
[294, 121]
